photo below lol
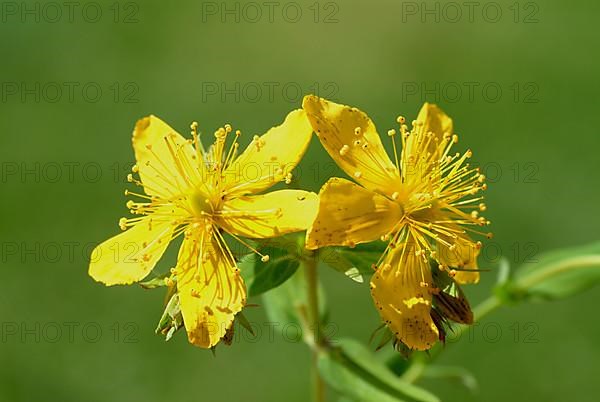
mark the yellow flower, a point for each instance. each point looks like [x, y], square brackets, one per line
[423, 204]
[205, 195]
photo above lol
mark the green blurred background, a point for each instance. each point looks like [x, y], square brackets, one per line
[65, 156]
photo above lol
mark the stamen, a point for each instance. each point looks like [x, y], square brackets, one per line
[263, 257]
[392, 133]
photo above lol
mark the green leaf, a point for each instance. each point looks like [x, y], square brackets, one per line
[264, 276]
[355, 262]
[344, 266]
[459, 374]
[241, 318]
[354, 371]
[288, 302]
[285, 254]
[557, 274]
[504, 272]
[172, 319]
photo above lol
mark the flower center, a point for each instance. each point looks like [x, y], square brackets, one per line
[203, 204]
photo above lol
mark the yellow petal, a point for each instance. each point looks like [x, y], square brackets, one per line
[467, 277]
[350, 214]
[269, 158]
[422, 153]
[434, 120]
[130, 256]
[403, 302]
[211, 290]
[165, 159]
[269, 215]
[462, 256]
[361, 156]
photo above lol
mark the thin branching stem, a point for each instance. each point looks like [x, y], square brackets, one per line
[312, 288]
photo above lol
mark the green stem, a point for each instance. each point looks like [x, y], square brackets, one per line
[419, 364]
[485, 307]
[310, 266]
[415, 370]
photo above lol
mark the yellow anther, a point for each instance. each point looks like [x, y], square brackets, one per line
[135, 168]
[123, 223]
[357, 131]
[220, 133]
[401, 120]
[344, 150]
[391, 132]
[258, 142]
[265, 258]
[358, 175]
